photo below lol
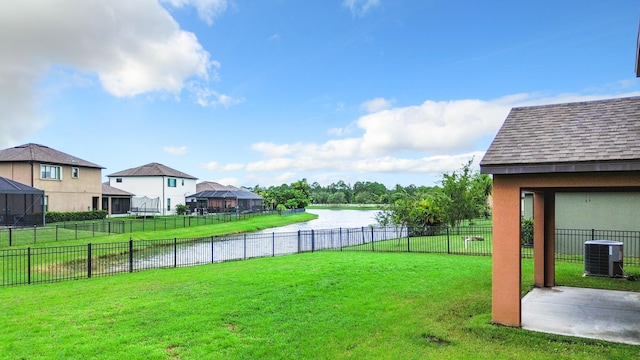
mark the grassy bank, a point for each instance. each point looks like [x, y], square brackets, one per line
[233, 227]
[310, 306]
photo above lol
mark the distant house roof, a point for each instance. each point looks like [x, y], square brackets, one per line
[108, 190]
[152, 169]
[42, 154]
[8, 186]
[601, 135]
[229, 194]
[210, 185]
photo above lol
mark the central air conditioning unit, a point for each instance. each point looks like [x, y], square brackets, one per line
[603, 258]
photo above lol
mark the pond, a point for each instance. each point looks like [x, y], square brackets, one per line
[330, 219]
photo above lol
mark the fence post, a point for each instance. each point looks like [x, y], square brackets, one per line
[10, 236]
[363, 240]
[109, 228]
[56, 232]
[340, 238]
[76, 231]
[313, 241]
[593, 234]
[35, 236]
[89, 260]
[408, 241]
[298, 241]
[130, 255]
[28, 265]
[448, 242]
[175, 252]
[93, 229]
[372, 246]
[244, 256]
[213, 258]
[273, 244]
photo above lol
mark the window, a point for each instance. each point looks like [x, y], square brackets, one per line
[75, 172]
[169, 202]
[50, 172]
[182, 182]
[171, 182]
[118, 180]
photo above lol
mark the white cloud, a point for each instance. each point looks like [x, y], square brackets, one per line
[213, 165]
[208, 10]
[207, 97]
[377, 104]
[360, 7]
[431, 138]
[131, 47]
[229, 181]
[182, 150]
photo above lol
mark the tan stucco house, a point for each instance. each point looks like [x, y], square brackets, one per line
[69, 183]
[587, 147]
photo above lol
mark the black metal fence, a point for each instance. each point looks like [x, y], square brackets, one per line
[49, 264]
[17, 236]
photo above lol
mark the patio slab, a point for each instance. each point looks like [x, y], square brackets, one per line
[608, 315]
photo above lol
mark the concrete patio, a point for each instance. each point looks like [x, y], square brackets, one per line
[588, 313]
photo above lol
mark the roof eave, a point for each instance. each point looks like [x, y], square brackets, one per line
[545, 168]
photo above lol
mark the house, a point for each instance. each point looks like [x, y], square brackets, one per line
[69, 183]
[20, 205]
[155, 181]
[585, 147]
[115, 201]
[219, 198]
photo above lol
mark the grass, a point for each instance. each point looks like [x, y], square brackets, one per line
[233, 227]
[322, 305]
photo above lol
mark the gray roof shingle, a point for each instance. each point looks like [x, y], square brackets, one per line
[42, 154]
[108, 190]
[152, 169]
[601, 135]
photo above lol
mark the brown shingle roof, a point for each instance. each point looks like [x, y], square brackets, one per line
[108, 190]
[43, 154]
[152, 169]
[601, 135]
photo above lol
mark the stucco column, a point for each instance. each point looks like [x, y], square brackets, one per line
[506, 269]
[549, 239]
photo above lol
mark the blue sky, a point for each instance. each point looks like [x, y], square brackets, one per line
[269, 92]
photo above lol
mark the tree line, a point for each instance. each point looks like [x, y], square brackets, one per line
[460, 195]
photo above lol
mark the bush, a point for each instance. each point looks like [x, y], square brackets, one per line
[526, 232]
[181, 209]
[53, 217]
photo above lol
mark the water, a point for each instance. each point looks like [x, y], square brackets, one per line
[330, 219]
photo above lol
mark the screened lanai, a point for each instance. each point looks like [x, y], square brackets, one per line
[220, 201]
[20, 205]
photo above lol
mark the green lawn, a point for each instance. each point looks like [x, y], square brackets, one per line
[323, 305]
[47, 236]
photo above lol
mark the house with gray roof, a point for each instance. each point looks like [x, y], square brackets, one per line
[588, 147]
[155, 182]
[70, 183]
[572, 137]
[213, 197]
[20, 205]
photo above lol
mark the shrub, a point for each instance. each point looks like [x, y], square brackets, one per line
[53, 217]
[181, 209]
[526, 232]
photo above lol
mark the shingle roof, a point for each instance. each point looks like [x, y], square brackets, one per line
[43, 154]
[601, 135]
[152, 169]
[109, 190]
[210, 185]
[218, 194]
[8, 186]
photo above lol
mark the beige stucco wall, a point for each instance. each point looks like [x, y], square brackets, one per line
[66, 194]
